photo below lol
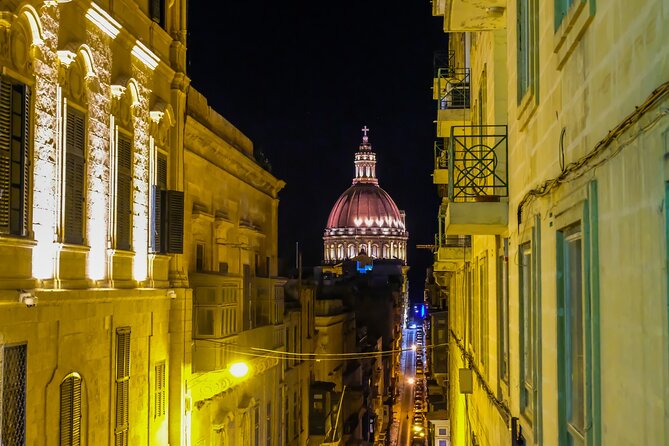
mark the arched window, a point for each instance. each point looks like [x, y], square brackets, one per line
[375, 250]
[351, 251]
[70, 410]
[340, 252]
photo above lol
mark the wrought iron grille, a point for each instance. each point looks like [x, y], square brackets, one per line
[478, 161]
[14, 395]
[453, 84]
[440, 154]
[452, 241]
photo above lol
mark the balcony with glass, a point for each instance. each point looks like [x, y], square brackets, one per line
[477, 181]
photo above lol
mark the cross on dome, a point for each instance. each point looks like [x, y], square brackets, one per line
[365, 138]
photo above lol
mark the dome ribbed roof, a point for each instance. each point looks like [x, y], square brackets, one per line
[365, 205]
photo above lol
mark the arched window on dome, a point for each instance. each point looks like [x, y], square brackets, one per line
[332, 252]
[340, 251]
[375, 250]
[386, 251]
[351, 251]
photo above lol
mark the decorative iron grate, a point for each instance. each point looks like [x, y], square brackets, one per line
[14, 395]
[478, 163]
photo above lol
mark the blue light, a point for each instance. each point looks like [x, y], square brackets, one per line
[362, 269]
[422, 311]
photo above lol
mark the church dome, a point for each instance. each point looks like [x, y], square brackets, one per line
[365, 205]
[365, 218]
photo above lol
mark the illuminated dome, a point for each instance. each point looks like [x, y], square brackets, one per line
[365, 218]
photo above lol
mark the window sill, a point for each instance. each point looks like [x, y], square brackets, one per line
[572, 28]
[69, 247]
[121, 253]
[15, 240]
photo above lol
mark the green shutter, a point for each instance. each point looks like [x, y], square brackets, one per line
[25, 168]
[74, 177]
[124, 193]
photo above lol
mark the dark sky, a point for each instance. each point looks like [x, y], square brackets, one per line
[301, 79]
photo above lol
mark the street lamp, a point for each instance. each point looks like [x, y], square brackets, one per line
[413, 347]
[410, 380]
[239, 369]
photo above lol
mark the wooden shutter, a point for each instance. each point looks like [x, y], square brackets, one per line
[159, 394]
[25, 168]
[122, 385]
[124, 193]
[5, 137]
[70, 411]
[74, 176]
[14, 156]
[13, 415]
[161, 184]
[173, 221]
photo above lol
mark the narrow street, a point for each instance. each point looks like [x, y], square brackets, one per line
[408, 368]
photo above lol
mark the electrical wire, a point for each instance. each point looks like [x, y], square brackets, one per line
[580, 167]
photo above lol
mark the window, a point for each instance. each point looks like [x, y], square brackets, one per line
[527, 47]
[75, 162]
[14, 395]
[215, 311]
[70, 410]
[561, 9]
[483, 287]
[122, 385]
[256, 425]
[296, 417]
[14, 157]
[571, 330]
[199, 257]
[527, 321]
[157, 11]
[503, 309]
[124, 193]
[442, 431]
[159, 391]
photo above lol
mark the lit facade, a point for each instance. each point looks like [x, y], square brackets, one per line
[365, 218]
[230, 253]
[552, 127]
[89, 103]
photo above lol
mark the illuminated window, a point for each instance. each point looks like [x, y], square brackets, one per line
[75, 162]
[124, 193]
[375, 250]
[122, 385]
[70, 410]
[14, 157]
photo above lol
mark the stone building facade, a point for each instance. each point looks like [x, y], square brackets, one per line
[555, 166]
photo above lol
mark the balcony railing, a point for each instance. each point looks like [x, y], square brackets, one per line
[440, 154]
[452, 241]
[443, 61]
[453, 87]
[478, 163]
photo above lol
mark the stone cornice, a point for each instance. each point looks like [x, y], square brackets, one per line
[201, 141]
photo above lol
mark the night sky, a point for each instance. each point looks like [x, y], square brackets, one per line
[301, 79]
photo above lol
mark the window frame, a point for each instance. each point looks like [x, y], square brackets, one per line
[125, 135]
[526, 330]
[76, 110]
[74, 436]
[22, 209]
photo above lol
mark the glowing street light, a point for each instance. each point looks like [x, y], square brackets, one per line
[239, 369]
[410, 380]
[413, 347]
